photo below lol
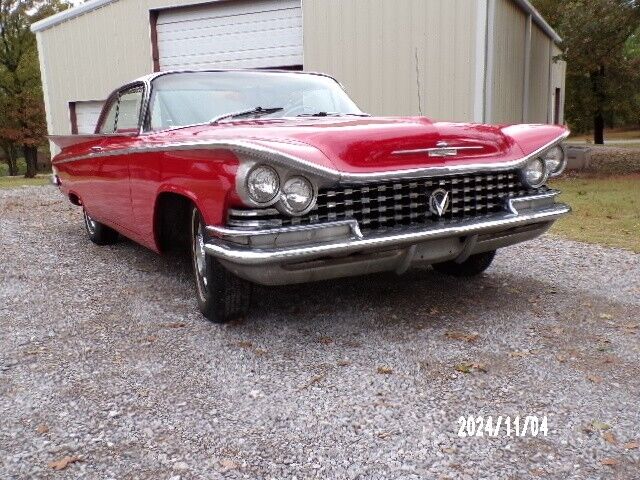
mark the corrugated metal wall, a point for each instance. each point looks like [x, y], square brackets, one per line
[507, 85]
[539, 87]
[371, 46]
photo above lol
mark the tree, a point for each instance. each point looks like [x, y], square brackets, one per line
[600, 44]
[22, 117]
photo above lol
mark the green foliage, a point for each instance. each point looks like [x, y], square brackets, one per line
[21, 166]
[601, 44]
[22, 115]
[632, 46]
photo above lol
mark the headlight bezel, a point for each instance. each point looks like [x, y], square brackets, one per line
[541, 157]
[285, 175]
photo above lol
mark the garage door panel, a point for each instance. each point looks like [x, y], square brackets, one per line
[225, 9]
[258, 21]
[248, 59]
[87, 114]
[234, 34]
[240, 43]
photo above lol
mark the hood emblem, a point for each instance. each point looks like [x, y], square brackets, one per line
[442, 149]
[439, 201]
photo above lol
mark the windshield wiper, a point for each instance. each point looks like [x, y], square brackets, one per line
[333, 114]
[245, 113]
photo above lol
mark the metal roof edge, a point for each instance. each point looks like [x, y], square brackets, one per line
[69, 14]
[539, 19]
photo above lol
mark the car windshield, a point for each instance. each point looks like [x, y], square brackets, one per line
[181, 99]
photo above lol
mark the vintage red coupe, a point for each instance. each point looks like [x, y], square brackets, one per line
[277, 177]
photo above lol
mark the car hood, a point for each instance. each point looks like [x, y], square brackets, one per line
[369, 144]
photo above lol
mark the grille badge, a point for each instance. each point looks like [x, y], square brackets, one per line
[439, 201]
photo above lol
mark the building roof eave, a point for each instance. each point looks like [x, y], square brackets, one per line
[538, 19]
[69, 14]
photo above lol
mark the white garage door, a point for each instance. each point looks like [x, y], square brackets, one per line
[231, 34]
[87, 114]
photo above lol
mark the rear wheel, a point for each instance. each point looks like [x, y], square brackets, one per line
[473, 266]
[222, 296]
[99, 233]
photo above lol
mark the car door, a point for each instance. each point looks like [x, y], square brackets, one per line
[121, 126]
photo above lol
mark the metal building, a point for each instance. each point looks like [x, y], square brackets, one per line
[459, 60]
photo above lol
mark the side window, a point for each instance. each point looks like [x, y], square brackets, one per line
[109, 123]
[129, 110]
[124, 112]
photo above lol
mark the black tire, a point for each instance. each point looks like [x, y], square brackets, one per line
[473, 266]
[99, 233]
[222, 296]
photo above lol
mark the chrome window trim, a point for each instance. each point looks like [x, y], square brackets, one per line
[151, 77]
[144, 104]
[255, 152]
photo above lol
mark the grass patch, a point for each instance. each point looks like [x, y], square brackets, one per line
[13, 182]
[606, 210]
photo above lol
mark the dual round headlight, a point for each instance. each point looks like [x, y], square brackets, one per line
[535, 173]
[538, 170]
[263, 184]
[296, 197]
[555, 158]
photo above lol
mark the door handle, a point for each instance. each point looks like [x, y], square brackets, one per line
[96, 149]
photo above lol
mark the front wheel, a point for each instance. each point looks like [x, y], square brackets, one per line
[99, 233]
[471, 267]
[222, 296]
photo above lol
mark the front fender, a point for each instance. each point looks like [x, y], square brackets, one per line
[531, 138]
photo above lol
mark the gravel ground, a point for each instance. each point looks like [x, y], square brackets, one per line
[104, 360]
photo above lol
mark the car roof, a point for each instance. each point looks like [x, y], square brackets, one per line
[152, 76]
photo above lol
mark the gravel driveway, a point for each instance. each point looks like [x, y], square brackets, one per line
[106, 365]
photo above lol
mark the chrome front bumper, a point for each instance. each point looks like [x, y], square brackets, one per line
[337, 249]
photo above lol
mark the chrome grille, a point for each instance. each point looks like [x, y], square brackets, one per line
[400, 203]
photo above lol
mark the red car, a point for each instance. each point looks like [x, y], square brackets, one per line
[275, 177]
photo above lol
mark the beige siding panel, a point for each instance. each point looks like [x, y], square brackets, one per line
[371, 46]
[507, 84]
[539, 89]
[558, 81]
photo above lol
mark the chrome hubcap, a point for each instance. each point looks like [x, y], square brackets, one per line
[199, 255]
